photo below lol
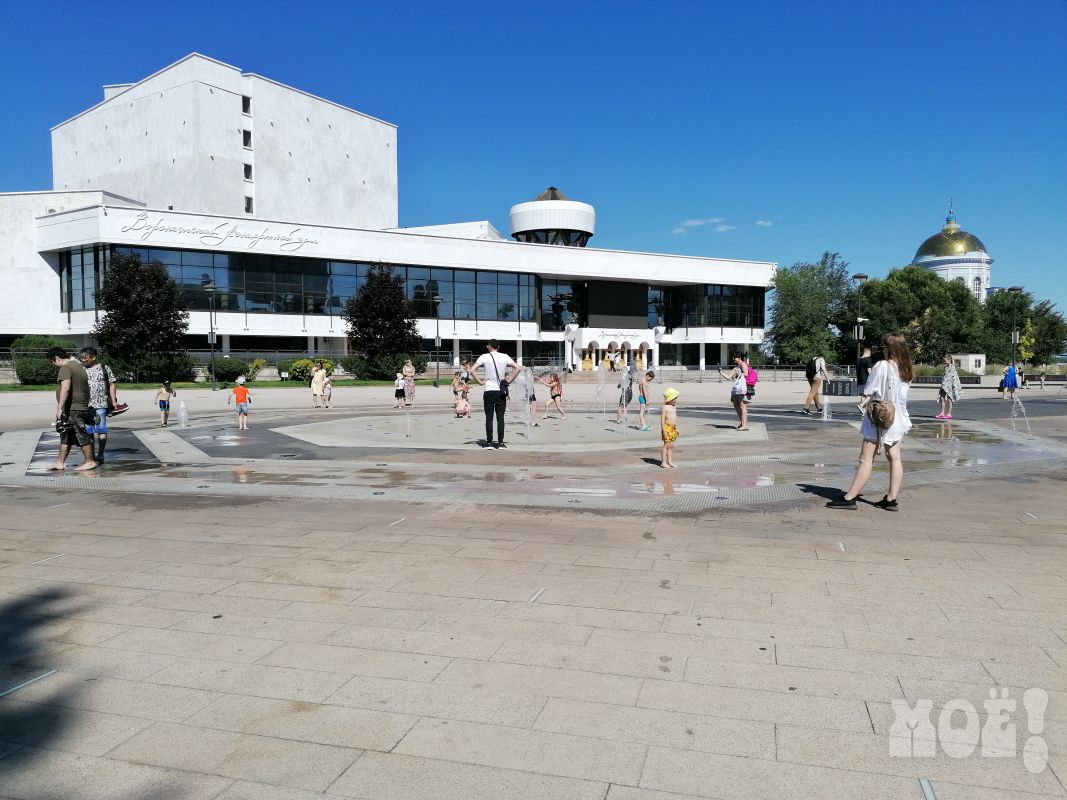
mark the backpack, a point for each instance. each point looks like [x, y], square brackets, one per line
[810, 371]
[752, 377]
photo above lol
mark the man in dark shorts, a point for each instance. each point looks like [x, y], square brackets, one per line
[72, 409]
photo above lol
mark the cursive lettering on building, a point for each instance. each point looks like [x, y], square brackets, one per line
[288, 242]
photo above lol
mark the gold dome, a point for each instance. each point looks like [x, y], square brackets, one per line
[951, 241]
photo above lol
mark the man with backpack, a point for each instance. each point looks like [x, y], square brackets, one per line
[816, 373]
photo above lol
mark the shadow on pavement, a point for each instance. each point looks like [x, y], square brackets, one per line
[24, 654]
[829, 492]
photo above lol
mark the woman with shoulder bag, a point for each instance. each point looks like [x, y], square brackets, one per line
[885, 422]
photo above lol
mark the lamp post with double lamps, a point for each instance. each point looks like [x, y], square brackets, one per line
[859, 279]
[209, 289]
[1015, 290]
[437, 300]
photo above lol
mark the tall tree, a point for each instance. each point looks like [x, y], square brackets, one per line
[145, 320]
[1002, 311]
[381, 324]
[808, 297]
[1048, 331]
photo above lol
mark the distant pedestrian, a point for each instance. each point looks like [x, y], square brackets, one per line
[1010, 382]
[318, 381]
[530, 384]
[163, 398]
[398, 390]
[626, 393]
[457, 385]
[408, 371]
[555, 393]
[863, 369]
[885, 422]
[951, 390]
[668, 428]
[642, 399]
[462, 406]
[496, 366]
[1041, 379]
[739, 389]
[72, 410]
[243, 399]
[327, 391]
[816, 373]
[103, 398]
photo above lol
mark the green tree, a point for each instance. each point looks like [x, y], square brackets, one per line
[1002, 310]
[145, 320]
[1048, 331]
[381, 325]
[936, 316]
[808, 298]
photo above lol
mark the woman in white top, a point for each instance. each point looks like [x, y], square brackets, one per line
[889, 380]
[739, 390]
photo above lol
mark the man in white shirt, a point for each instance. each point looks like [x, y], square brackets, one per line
[496, 367]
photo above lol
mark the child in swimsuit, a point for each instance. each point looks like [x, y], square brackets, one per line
[669, 428]
[163, 397]
[555, 391]
[642, 399]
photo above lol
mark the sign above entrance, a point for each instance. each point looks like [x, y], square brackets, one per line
[285, 239]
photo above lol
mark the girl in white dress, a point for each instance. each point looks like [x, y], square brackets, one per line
[889, 380]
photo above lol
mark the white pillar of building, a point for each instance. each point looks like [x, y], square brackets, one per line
[455, 352]
[225, 344]
[311, 345]
[700, 358]
[518, 351]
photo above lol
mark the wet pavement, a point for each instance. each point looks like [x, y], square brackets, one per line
[583, 461]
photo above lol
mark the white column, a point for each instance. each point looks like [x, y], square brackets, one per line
[700, 358]
[225, 344]
[655, 355]
[455, 352]
[311, 345]
[518, 351]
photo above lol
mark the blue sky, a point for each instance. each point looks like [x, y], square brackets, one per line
[785, 128]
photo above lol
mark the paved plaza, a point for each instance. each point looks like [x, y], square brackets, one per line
[366, 603]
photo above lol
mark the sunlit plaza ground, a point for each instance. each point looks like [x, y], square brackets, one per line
[364, 602]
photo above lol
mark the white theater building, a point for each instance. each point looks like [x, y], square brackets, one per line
[269, 205]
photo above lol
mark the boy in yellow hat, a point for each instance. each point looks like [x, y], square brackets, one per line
[668, 426]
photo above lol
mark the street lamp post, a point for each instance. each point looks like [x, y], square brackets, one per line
[437, 300]
[859, 278]
[1016, 290]
[209, 288]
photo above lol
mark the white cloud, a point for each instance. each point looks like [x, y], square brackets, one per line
[683, 227]
[764, 223]
[723, 228]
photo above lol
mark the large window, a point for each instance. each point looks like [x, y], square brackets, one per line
[562, 303]
[258, 283]
[80, 272]
[714, 306]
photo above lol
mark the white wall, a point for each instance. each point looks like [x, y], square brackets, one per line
[29, 302]
[319, 162]
[175, 140]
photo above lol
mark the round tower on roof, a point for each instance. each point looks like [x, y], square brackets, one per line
[550, 218]
[954, 254]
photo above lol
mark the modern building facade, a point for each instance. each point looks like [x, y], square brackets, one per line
[269, 206]
[954, 254]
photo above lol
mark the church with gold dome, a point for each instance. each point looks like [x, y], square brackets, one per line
[954, 254]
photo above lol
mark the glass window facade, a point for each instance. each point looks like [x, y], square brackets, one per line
[262, 283]
[713, 306]
[258, 283]
[80, 271]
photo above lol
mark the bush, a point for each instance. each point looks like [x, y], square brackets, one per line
[228, 368]
[255, 367]
[33, 371]
[386, 366]
[300, 369]
[356, 366]
[153, 367]
[32, 367]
